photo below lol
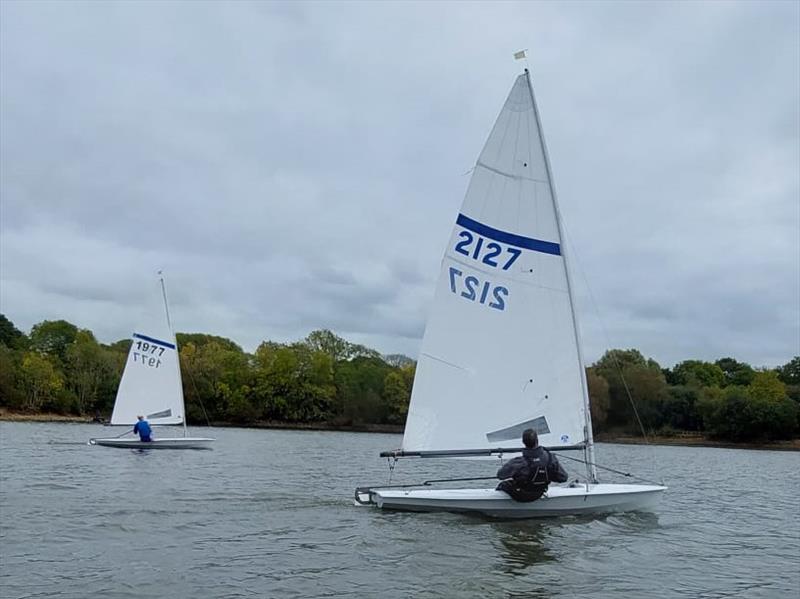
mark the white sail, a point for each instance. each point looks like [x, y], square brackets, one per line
[151, 383]
[500, 352]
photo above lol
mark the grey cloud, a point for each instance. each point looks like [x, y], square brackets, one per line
[296, 166]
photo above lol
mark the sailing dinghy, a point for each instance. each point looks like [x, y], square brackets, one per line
[151, 386]
[501, 351]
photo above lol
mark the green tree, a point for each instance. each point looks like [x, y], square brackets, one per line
[398, 360]
[238, 407]
[648, 390]
[293, 382]
[201, 340]
[336, 348]
[53, 337]
[408, 372]
[767, 386]
[699, 373]
[396, 396]
[776, 416]
[11, 395]
[89, 369]
[709, 402]
[628, 371]
[728, 415]
[359, 390]
[40, 380]
[213, 373]
[679, 408]
[789, 373]
[736, 373]
[123, 346]
[10, 335]
[598, 398]
[754, 413]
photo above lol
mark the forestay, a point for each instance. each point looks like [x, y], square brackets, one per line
[500, 349]
[151, 383]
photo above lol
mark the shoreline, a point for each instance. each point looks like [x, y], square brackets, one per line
[9, 416]
[679, 440]
[697, 440]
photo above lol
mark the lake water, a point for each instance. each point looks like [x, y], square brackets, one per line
[269, 513]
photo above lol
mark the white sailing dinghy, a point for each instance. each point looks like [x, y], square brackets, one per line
[151, 386]
[501, 351]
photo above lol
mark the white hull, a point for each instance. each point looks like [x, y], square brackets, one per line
[167, 443]
[559, 501]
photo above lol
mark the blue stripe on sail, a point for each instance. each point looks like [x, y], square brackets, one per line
[528, 243]
[156, 341]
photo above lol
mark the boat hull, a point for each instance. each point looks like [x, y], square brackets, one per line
[558, 501]
[165, 443]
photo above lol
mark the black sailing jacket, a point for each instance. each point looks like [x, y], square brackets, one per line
[519, 473]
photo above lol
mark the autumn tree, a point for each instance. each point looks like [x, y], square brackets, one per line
[40, 380]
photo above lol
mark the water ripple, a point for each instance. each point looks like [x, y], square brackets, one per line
[269, 514]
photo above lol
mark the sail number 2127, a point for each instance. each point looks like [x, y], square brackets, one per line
[487, 252]
[473, 289]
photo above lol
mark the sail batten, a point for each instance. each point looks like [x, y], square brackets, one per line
[502, 311]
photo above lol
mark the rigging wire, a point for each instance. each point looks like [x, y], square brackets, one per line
[574, 255]
[617, 364]
[615, 471]
[197, 394]
[607, 338]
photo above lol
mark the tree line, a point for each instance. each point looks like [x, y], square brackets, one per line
[61, 368]
[726, 400]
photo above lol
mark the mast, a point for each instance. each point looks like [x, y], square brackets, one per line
[591, 468]
[177, 350]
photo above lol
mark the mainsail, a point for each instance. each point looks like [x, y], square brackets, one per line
[151, 383]
[500, 352]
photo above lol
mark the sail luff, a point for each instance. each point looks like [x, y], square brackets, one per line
[177, 351]
[564, 253]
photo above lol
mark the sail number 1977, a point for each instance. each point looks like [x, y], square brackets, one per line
[148, 354]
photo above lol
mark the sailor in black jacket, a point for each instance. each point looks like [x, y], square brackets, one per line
[526, 478]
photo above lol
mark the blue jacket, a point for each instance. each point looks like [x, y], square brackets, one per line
[143, 428]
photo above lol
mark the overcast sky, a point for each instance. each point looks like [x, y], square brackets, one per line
[299, 166]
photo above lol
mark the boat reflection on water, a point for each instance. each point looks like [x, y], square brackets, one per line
[521, 545]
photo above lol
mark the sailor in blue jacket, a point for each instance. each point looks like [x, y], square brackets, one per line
[143, 428]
